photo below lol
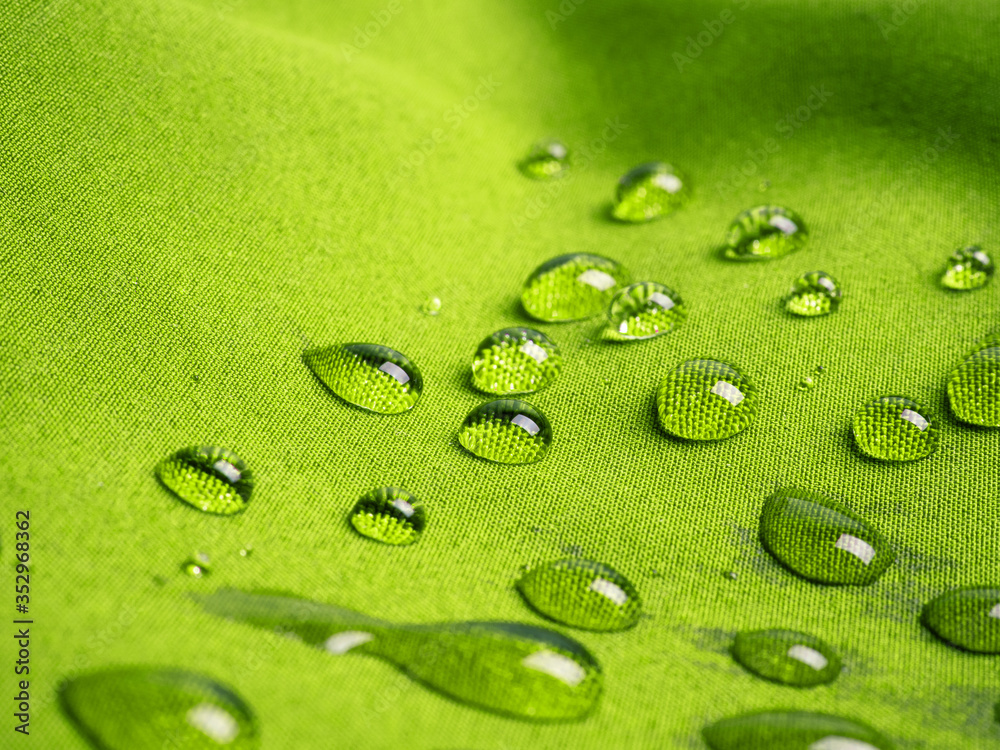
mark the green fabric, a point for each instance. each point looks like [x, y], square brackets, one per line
[193, 193]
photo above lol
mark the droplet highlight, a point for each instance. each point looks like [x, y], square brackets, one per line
[787, 657]
[431, 306]
[793, 730]
[813, 294]
[650, 191]
[515, 360]
[967, 618]
[546, 159]
[214, 480]
[196, 566]
[704, 399]
[968, 268]
[644, 311]
[370, 376]
[764, 233]
[572, 287]
[582, 594]
[822, 540]
[894, 428]
[390, 515]
[974, 386]
[507, 431]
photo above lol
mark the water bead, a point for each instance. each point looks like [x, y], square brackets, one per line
[508, 431]
[793, 730]
[787, 657]
[967, 618]
[643, 311]
[703, 399]
[974, 386]
[894, 428]
[968, 268]
[515, 360]
[649, 191]
[572, 287]
[547, 159]
[390, 515]
[370, 376]
[211, 479]
[765, 232]
[814, 293]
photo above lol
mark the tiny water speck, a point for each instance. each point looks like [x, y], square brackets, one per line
[431, 306]
[197, 566]
[546, 159]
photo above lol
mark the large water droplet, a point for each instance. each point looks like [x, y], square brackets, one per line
[765, 232]
[814, 293]
[642, 311]
[149, 709]
[649, 191]
[515, 360]
[389, 514]
[974, 387]
[968, 268]
[508, 431]
[787, 656]
[211, 479]
[547, 159]
[572, 287]
[582, 594]
[518, 670]
[368, 375]
[703, 399]
[968, 618]
[792, 730]
[894, 428]
[822, 540]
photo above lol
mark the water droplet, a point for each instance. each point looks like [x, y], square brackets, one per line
[517, 670]
[703, 399]
[547, 159]
[807, 383]
[515, 360]
[730, 574]
[146, 709]
[582, 594]
[373, 377]
[649, 191]
[974, 386]
[764, 185]
[968, 268]
[246, 551]
[642, 311]
[211, 479]
[822, 540]
[787, 656]
[893, 428]
[814, 293]
[431, 306]
[391, 515]
[968, 618]
[197, 565]
[508, 431]
[572, 287]
[765, 232]
[792, 730]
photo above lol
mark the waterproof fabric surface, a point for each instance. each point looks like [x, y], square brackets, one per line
[193, 193]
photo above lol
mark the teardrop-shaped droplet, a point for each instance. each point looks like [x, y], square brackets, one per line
[974, 387]
[518, 670]
[508, 431]
[196, 566]
[968, 268]
[968, 618]
[765, 232]
[793, 730]
[703, 399]
[547, 159]
[642, 311]
[515, 360]
[649, 191]
[822, 540]
[389, 514]
[150, 709]
[211, 479]
[787, 656]
[572, 287]
[894, 428]
[582, 594]
[814, 293]
[368, 375]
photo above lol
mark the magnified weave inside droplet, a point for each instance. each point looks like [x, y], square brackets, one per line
[704, 399]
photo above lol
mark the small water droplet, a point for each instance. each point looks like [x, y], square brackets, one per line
[814, 293]
[764, 185]
[515, 360]
[642, 311]
[507, 431]
[894, 428]
[968, 618]
[195, 378]
[547, 159]
[582, 594]
[787, 656]
[649, 191]
[373, 377]
[765, 232]
[794, 730]
[431, 306]
[974, 386]
[822, 540]
[572, 287]
[703, 399]
[211, 479]
[391, 515]
[140, 709]
[512, 669]
[197, 565]
[968, 268]
[807, 383]
[730, 574]
[246, 551]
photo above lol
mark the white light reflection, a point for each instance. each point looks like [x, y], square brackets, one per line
[857, 547]
[555, 665]
[396, 372]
